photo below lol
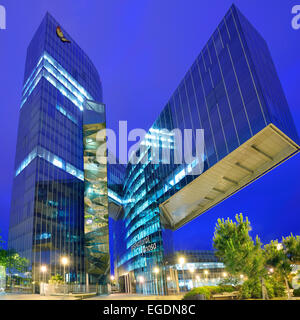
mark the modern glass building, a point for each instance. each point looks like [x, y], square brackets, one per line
[59, 201]
[187, 269]
[233, 92]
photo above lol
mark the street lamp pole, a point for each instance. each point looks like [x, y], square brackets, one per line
[192, 270]
[44, 270]
[181, 262]
[64, 261]
[156, 271]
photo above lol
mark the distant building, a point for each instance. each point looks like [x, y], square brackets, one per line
[199, 268]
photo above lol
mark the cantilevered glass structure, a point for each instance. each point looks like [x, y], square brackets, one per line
[233, 92]
[59, 191]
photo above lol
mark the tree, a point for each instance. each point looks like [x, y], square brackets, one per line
[238, 251]
[276, 258]
[281, 256]
[16, 262]
[292, 248]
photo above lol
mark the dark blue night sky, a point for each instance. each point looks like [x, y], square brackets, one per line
[142, 49]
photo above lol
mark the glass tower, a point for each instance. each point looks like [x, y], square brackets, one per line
[233, 92]
[59, 197]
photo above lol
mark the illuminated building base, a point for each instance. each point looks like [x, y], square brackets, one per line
[257, 156]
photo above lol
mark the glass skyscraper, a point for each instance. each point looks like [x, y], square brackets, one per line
[59, 201]
[233, 92]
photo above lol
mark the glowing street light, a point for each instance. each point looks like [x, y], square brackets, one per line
[181, 261]
[192, 270]
[44, 270]
[112, 277]
[64, 262]
[224, 274]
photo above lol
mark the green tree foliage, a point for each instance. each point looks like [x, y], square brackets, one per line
[238, 251]
[209, 291]
[242, 255]
[252, 288]
[292, 248]
[11, 260]
[15, 262]
[57, 279]
[281, 256]
[236, 248]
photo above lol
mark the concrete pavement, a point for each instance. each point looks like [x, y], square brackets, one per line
[121, 296]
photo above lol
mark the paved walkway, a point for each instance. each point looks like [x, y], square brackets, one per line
[34, 297]
[106, 297]
[124, 296]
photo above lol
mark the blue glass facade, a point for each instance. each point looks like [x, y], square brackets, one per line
[232, 91]
[47, 207]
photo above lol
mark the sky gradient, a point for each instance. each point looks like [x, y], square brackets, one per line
[142, 49]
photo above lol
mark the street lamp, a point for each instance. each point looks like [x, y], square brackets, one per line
[44, 270]
[181, 262]
[224, 274]
[192, 270]
[141, 280]
[206, 275]
[64, 261]
[198, 279]
[112, 277]
[156, 271]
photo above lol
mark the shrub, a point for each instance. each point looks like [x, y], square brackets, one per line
[278, 287]
[296, 292]
[251, 289]
[209, 291]
[227, 288]
[57, 279]
[201, 290]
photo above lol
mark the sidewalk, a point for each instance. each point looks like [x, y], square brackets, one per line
[34, 297]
